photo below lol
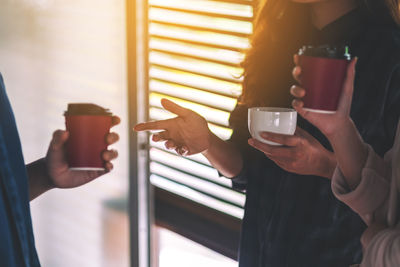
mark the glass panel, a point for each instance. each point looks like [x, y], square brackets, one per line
[196, 81]
[178, 251]
[199, 96]
[195, 51]
[206, 68]
[213, 7]
[202, 37]
[188, 166]
[211, 114]
[203, 52]
[196, 196]
[243, 28]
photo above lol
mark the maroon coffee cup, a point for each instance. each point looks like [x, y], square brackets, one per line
[88, 126]
[323, 71]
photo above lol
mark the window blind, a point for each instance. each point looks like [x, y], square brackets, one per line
[195, 49]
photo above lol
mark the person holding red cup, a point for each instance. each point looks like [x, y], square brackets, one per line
[20, 183]
[291, 216]
[366, 182]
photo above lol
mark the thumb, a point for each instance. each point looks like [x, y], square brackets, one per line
[311, 117]
[174, 108]
[59, 139]
[348, 88]
[317, 119]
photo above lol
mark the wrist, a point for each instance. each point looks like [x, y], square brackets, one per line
[340, 126]
[47, 178]
[212, 140]
[328, 165]
[38, 174]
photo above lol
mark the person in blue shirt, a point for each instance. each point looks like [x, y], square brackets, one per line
[20, 183]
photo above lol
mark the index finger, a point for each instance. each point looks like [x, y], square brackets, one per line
[154, 125]
[296, 59]
[348, 88]
[297, 91]
[296, 73]
[115, 120]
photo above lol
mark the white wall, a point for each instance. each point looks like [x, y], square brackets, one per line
[53, 52]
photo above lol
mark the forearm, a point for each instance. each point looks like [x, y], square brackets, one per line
[38, 178]
[225, 157]
[350, 151]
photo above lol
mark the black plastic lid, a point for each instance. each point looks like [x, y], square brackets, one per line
[327, 51]
[86, 109]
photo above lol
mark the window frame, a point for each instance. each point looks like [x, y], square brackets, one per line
[140, 195]
[204, 225]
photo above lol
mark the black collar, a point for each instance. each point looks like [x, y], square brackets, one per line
[343, 30]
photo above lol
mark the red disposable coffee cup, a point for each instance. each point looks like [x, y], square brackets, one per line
[323, 71]
[88, 126]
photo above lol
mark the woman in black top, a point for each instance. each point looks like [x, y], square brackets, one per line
[293, 219]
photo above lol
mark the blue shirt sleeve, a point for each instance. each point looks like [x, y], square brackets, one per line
[17, 243]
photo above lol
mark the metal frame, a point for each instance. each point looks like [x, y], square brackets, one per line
[210, 228]
[140, 200]
[206, 226]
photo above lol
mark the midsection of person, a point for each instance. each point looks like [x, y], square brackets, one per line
[362, 179]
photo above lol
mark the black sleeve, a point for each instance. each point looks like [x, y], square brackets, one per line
[251, 157]
[392, 109]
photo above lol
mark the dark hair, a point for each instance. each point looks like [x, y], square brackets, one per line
[280, 29]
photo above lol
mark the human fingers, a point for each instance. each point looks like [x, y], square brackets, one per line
[348, 88]
[108, 166]
[183, 151]
[161, 136]
[155, 125]
[115, 120]
[271, 150]
[109, 155]
[283, 139]
[296, 59]
[297, 91]
[313, 117]
[112, 138]
[297, 104]
[170, 144]
[59, 139]
[296, 73]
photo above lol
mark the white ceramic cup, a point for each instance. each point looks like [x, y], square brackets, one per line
[274, 120]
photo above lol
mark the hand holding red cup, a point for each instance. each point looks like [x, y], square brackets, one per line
[323, 72]
[88, 126]
[327, 122]
[80, 155]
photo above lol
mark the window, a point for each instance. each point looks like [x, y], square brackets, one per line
[178, 251]
[194, 51]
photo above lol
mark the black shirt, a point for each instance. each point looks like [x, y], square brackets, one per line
[294, 220]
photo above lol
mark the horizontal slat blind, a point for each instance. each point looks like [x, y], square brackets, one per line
[195, 48]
